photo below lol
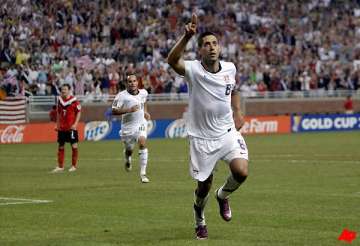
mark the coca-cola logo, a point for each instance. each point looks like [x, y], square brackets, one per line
[12, 134]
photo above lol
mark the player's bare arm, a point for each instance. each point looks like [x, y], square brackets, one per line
[175, 59]
[77, 119]
[146, 113]
[238, 115]
[120, 111]
[57, 118]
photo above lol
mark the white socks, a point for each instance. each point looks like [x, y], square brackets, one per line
[143, 157]
[229, 187]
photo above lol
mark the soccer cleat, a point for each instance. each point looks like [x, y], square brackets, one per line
[224, 207]
[144, 179]
[128, 166]
[57, 170]
[72, 169]
[201, 232]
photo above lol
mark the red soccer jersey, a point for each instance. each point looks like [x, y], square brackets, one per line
[67, 110]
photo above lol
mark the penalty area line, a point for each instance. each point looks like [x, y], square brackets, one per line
[14, 201]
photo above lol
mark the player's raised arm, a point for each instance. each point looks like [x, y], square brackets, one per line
[175, 59]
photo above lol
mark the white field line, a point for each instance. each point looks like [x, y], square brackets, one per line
[10, 154]
[307, 161]
[13, 201]
[300, 160]
[356, 194]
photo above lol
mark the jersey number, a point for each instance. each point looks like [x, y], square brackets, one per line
[142, 128]
[242, 144]
[228, 89]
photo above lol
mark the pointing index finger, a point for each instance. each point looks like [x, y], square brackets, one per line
[194, 19]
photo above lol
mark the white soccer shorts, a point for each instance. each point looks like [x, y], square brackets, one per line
[204, 153]
[130, 138]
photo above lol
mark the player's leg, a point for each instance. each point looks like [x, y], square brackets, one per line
[74, 139]
[201, 196]
[238, 174]
[143, 158]
[202, 163]
[238, 164]
[129, 144]
[143, 152]
[128, 153]
[60, 152]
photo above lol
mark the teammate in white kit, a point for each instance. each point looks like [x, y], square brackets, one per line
[131, 105]
[214, 118]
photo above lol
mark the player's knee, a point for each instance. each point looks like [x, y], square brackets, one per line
[240, 170]
[203, 190]
[142, 143]
[244, 171]
[74, 146]
[204, 187]
[240, 176]
[128, 152]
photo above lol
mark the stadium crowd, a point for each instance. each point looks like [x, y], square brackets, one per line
[91, 45]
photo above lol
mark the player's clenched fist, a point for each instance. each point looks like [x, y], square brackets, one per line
[190, 28]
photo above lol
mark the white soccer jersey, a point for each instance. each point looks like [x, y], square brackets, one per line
[210, 114]
[130, 122]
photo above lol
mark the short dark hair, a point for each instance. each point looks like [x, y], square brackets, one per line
[66, 85]
[202, 35]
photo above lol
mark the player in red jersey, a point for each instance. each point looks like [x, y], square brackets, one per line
[68, 116]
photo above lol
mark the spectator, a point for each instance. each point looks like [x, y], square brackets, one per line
[348, 105]
[316, 46]
[53, 114]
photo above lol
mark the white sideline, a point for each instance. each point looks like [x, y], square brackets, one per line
[20, 201]
[257, 158]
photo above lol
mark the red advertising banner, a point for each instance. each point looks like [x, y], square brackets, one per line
[266, 125]
[32, 133]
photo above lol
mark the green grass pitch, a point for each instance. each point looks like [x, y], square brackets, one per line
[303, 189]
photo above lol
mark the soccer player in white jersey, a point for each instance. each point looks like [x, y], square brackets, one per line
[214, 118]
[131, 105]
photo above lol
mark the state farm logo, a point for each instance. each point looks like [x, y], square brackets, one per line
[12, 134]
[260, 126]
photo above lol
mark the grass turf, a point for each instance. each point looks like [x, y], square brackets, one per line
[302, 190]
